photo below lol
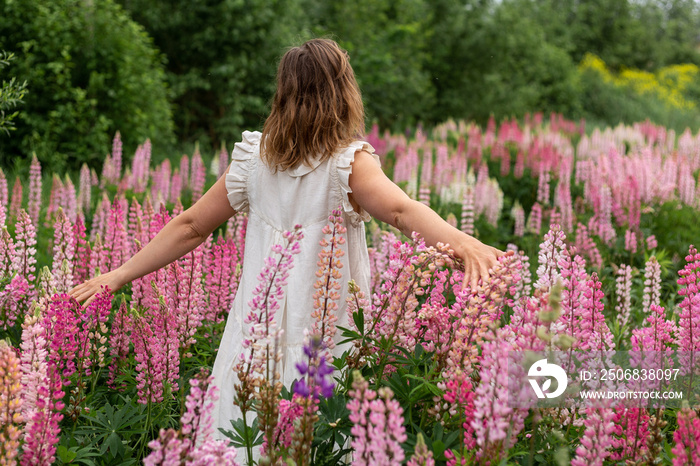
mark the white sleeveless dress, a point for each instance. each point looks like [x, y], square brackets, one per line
[275, 203]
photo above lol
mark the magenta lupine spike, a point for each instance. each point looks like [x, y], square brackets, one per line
[593, 332]
[116, 173]
[81, 252]
[525, 324]
[135, 227]
[534, 221]
[190, 303]
[115, 241]
[10, 403]
[551, 251]
[688, 338]
[61, 321]
[41, 433]
[597, 437]
[55, 198]
[221, 281]
[16, 200]
[378, 429]
[63, 254]
[119, 342]
[70, 199]
[25, 252]
[199, 174]
[573, 291]
[13, 301]
[175, 186]
[85, 190]
[587, 247]
[623, 308]
[185, 171]
[4, 198]
[631, 434]
[289, 412]
[34, 204]
[329, 276]
[224, 160]
[140, 167]
[459, 396]
[467, 221]
[93, 332]
[686, 449]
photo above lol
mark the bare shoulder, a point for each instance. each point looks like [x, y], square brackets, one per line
[363, 159]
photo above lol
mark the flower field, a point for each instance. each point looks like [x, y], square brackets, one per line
[602, 279]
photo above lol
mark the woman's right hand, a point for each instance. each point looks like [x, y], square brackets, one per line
[87, 290]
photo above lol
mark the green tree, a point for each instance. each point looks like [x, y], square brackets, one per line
[92, 71]
[11, 94]
[222, 58]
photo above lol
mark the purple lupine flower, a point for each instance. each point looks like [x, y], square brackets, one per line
[314, 371]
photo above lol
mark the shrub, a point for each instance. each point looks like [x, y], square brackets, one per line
[91, 71]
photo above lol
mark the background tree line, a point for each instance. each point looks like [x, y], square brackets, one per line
[203, 70]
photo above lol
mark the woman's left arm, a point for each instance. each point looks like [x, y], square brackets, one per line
[385, 201]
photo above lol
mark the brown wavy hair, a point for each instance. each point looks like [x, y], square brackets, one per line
[317, 108]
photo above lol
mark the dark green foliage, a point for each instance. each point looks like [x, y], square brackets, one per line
[11, 95]
[222, 59]
[91, 72]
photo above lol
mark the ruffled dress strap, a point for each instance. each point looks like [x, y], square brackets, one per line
[344, 168]
[244, 157]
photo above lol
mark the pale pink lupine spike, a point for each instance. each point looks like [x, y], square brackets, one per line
[16, 200]
[185, 171]
[329, 276]
[467, 220]
[81, 251]
[175, 186]
[224, 159]
[25, 250]
[34, 204]
[688, 337]
[189, 305]
[115, 243]
[623, 288]
[116, 173]
[534, 221]
[7, 252]
[597, 437]
[63, 254]
[55, 198]
[551, 251]
[4, 198]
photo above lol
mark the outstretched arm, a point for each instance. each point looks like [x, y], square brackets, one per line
[378, 195]
[180, 236]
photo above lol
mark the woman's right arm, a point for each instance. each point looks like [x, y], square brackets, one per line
[180, 236]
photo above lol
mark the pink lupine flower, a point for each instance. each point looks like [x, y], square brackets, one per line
[651, 242]
[459, 395]
[378, 429]
[16, 200]
[167, 449]
[70, 200]
[7, 252]
[573, 290]
[221, 281]
[467, 220]
[189, 303]
[81, 252]
[115, 241]
[4, 198]
[119, 343]
[199, 173]
[289, 413]
[652, 284]
[687, 438]
[55, 198]
[224, 160]
[140, 164]
[175, 186]
[518, 214]
[10, 403]
[84, 189]
[587, 247]
[534, 221]
[185, 171]
[421, 456]
[160, 187]
[33, 363]
[112, 166]
[688, 338]
[543, 189]
[499, 410]
[593, 332]
[99, 219]
[632, 432]
[13, 300]
[630, 241]
[34, 204]
[63, 254]
[597, 437]
[25, 251]
[551, 251]
[624, 294]
[329, 275]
